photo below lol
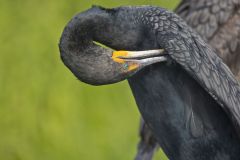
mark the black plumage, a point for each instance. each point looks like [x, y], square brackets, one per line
[217, 21]
[191, 102]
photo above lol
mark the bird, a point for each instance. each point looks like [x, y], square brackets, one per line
[218, 23]
[185, 93]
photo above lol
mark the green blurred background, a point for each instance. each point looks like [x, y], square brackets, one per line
[45, 112]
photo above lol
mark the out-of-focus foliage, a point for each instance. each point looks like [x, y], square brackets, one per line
[45, 112]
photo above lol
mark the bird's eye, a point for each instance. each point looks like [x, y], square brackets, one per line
[125, 66]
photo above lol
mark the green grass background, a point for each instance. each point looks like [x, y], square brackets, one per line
[45, 112]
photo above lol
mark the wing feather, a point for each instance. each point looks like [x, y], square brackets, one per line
[209, 70]
[223, 35]
[200, 60]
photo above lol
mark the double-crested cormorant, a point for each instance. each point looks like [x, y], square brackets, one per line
[218, 21]
[190, 100]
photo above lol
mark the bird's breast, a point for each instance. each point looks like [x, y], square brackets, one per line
[182, 115]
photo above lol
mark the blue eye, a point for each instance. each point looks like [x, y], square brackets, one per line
[125, 66]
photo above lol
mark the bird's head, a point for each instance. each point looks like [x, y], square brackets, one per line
[116, 28]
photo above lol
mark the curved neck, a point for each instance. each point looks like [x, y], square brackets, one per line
[77, 47]
[80, 32]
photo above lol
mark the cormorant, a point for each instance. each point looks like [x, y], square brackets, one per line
[218, 22]
[185, 93]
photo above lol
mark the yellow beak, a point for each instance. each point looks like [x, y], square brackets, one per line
[138, 59]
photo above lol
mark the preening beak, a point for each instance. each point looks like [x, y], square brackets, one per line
[138, 59]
